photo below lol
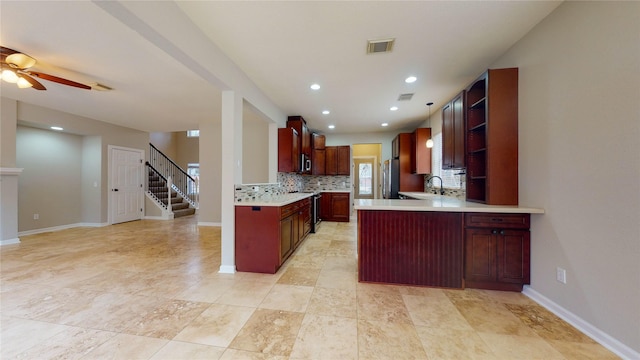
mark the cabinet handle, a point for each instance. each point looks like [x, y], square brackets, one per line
[494, 232]
[501, 232]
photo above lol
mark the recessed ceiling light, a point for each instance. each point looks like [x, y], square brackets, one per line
[393, 108]
[385, 124]
[326, 112]
[331, 126]
[315, 87]
[57, 128]
[410, 79]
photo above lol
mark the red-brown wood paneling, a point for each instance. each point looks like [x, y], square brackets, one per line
[413, 248]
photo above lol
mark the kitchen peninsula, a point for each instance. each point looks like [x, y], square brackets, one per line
[442, 241]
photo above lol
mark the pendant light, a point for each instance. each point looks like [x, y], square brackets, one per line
[429, 143]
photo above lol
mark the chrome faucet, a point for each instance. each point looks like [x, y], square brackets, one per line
[441, 188]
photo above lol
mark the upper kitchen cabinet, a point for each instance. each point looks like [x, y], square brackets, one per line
[338, 160]
[304, 140]
[421, 159]
[318, 154]
[406, 180]
[317, 141]
[288, 150]
[453, 116]
[492, 138]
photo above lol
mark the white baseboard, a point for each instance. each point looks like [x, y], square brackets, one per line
[61, 227]
[204, 223]
[10, 241]
[593, 332]
[155, 218]
[227, 269]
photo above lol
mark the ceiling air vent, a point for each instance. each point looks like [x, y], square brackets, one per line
[405, 97]
[379, 46]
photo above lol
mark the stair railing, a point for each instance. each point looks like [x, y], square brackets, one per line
[183, 183]
[158, 200]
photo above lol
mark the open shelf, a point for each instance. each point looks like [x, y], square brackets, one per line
[478, 104]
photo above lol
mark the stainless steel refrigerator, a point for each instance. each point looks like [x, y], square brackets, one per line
[390, 178]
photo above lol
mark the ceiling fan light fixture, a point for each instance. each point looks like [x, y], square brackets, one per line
[9, 76]
[23, 83]
[20, 61]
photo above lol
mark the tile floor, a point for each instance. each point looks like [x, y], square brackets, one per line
[151, 290]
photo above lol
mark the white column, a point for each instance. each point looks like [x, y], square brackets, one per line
[231, 174]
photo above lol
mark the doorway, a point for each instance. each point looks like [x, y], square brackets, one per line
[126, 184]
[364, 177]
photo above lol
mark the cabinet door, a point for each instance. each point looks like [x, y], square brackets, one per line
[513, 256]
[317, 141]
[326, 213]
[286, 237]
[305, 215]
[421, 159]
[480, 255]
[453, 135]
[318, 161]
[344, 160]
[458, 131]
[447, 136]
[331, 160]
[298, 229]
[288, 152]
[340, 206]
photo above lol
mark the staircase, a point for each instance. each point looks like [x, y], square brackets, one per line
[158, 187]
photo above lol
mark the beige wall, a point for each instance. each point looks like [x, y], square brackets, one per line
[255, 150]
[165, 142]
[94, 161]
[52, 175]
[580, 159]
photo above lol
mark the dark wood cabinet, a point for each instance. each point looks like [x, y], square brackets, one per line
[344, 160]
[497, 251]
[335, 206]
[317, 141]
[318, 162]
[304, 138]
[288, 151]
[421, 159]
[267, 235]
[453, 134]
[492, 138]
[406, 180]
[338, 160]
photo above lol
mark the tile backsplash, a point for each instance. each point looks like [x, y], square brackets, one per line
[288, 182]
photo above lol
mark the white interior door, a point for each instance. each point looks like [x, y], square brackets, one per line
[126, 184]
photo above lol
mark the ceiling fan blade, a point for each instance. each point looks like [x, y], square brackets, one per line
[58, 80]
[36, 85]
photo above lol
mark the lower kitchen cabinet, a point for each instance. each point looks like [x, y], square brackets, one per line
[335, 206]
[497, 251]
[267, 235]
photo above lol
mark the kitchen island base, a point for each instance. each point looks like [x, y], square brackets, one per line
[411, 248]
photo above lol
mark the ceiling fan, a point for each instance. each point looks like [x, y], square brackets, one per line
[15, 68]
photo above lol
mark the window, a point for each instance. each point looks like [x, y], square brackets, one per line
[450, 178]
[193, 169]
[365, 179]
[193, 133]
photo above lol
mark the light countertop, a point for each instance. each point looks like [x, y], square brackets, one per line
[432, 202]
[274, 200]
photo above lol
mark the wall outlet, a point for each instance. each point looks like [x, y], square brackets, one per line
[36, 216]
[561, 275]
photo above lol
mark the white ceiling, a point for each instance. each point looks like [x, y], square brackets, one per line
[169, 82]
